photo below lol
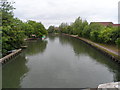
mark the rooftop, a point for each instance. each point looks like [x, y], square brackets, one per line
[107, 23]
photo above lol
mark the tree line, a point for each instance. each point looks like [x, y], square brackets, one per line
[93, 31]
[14, 31]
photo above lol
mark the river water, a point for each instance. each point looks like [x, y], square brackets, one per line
[59, 62]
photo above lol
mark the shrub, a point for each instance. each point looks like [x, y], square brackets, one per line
[118, 42]
[94, 36]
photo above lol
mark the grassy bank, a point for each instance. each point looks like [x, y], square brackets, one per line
[110, 50]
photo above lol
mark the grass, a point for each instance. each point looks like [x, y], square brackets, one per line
[110, 49]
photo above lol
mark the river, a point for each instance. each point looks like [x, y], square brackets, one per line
[59, 62]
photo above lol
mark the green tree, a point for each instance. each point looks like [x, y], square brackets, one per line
[51, 29]
[14, 30]
[118, 42]
[39, 29]
[27, 29]
[7, 12]
[94, 35]
[63, 27]
[12, 36]
[95, 29]
[108, 35]
[86, 32]
[77, 26]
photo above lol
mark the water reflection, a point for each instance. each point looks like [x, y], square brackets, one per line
[52, 37]
[14, 72]
[36, 47]
[81, 48]
[59, 62]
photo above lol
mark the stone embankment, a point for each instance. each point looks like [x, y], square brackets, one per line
[115, 56]
[10, 56]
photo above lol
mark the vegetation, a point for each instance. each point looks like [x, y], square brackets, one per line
[14, 31]
[93, 31]
[53, 29]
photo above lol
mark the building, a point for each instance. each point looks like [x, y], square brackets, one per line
[116, 25]
[107, 23]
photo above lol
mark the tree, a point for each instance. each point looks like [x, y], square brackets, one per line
[94, 36]
[108, 35]
[28, 29]
[77, 26]
[7, 25]
[7, 12]
[94, 30]
[12, 36]
[14, 30]
[86, 32]
[114, 34]
[63, 27]
[51, 29]
[118, 42]
[39, 29]
[69, 30]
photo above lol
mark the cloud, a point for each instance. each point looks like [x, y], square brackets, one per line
[53, 12]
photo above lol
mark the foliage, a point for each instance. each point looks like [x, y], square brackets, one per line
[93, 31]
[38, 28]
[14, 31]
[63, 28]
[108, 35]
[86, 32]
[94, 35]
[51, 29]
[118, 42]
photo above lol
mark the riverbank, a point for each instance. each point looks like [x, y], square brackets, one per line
[9, 56]
[59, 57]
[6, 58]
[29, 39]
[114, 55]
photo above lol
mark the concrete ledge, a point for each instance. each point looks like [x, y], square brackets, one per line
[9, 56]
[115, 85]
[114, 58]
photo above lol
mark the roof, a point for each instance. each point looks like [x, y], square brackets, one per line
[104, 23]
[116, 25]
[107, 23]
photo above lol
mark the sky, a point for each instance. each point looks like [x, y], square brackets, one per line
[54, 12]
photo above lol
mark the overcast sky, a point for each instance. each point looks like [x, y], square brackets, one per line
[54, 12]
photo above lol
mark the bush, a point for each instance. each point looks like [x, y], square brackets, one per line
[86, 32]
[118, 42]
[94, 36]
